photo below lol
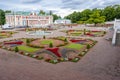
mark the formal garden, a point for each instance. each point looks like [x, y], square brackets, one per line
[85, 32]
[6, 34]
[52, 50]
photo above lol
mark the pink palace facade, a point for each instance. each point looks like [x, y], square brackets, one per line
[28, 19]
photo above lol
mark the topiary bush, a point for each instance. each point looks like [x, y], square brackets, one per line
[16, 49]
[27, 41]
[84, 32]
[44, 37]
[88, 46]
[66, 40]
[51, 45]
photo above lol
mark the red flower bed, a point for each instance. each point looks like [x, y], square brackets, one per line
[74, 41]
[55, 51]
[89, 34]
[16, 42]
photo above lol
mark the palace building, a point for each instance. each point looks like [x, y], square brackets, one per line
[15, 19]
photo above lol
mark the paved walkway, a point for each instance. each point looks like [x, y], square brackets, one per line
[102, 62]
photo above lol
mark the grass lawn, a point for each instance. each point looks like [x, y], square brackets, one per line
[75, 33]
[27, 49]
[97, 33]
[74, 46]
[46, 41]
[61, 38]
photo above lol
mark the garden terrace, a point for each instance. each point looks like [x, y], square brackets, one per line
[6, 34]
[46, 42]
[85, 32]
[53, 50]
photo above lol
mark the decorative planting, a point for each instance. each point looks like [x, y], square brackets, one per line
[85, 32]
[52, 50]
[6, 34]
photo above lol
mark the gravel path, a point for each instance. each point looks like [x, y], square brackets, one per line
[102, 62]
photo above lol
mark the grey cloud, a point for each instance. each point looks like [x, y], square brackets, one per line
[31, 1]
[111, 2]
[72, 4]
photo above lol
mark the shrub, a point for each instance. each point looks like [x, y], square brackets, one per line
[39, 58]
[75, 59]
[84, 31]
[82, 54]
[88, 46]
[53, 61]
[104, 32]
[16, 49]
[50, 45]
[11, 33]
[27, 41]
[44, 37]
[65, 40]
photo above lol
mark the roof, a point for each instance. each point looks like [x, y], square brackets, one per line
[23, 13]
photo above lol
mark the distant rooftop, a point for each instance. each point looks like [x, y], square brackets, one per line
[24, 13]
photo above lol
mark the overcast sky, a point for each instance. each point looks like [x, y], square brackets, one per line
[60, 7]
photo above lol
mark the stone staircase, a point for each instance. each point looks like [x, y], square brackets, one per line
[118, 39]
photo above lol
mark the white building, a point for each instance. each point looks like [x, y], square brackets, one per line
[28, 19]
[62, 21]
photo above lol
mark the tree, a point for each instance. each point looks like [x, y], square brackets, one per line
[84, 31]
[16, 49]
[50, 13]
[109, 12]
[55, 17]
[51, 45]
[96, 18]
[8, 11]
[2, 18]
[117, 11]
[66, 40]
[44, 37]
[88, 46]
[27, 41]
[85, 15]
[42, 12]
[74, 17]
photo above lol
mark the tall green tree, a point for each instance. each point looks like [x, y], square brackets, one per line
[42, 12]
[50, 12]
[109, 12]
[85, 15]
[96, 18]
[55, 17]
[117, 11]
[74, 17]
[8, 11]
[2, 18]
